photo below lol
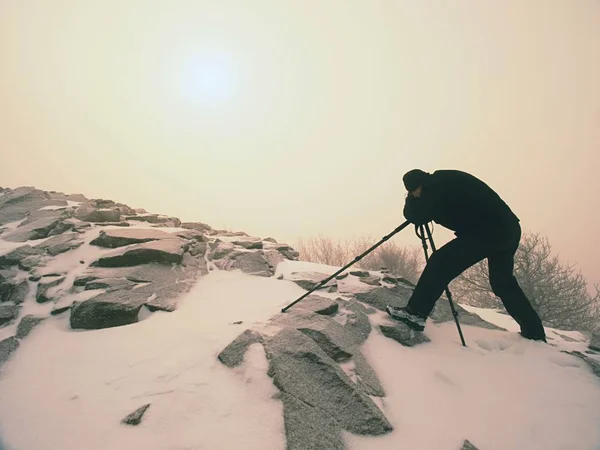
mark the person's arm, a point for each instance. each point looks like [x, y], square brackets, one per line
[418, 210]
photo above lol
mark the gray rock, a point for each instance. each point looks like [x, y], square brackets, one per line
[468, 446]
[399, 296]
[221, 250]
[191, 235]
[357, 322]
[253, 263]
[105, 311]
[593, 364]
[92, 214]
[82, 280]
[19, 203]
[27, 324]
[289, 253]
[404, 335]
[270, 239]
[36, 230]
[13, 257]
[372, 281]
[319, 305]
[13, 291]
[273, 258]
[249, 245]
[31, 262]
[8, 312]
[367, 376]
[197, 248]
[162, 251]
[308, 427]
[595, 342]
[359, 273]
[110, 284]
[233, 354]
[43, 293]
[301, 369]
[123, 237]
[62, 227]
[199, 226]
[341, 276]
[114, 224]
[309, 280]
[60, 244]
[150, 218]
[7, 347]
[136, 417]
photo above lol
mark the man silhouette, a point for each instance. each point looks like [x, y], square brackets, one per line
[485, 227]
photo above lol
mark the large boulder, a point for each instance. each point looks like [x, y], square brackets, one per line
[250, 262]
[102, 312]
[60, 244]
[25, 201]
[8, 312]
[199, 226]
[123, 237]
[36, 230]
[163, 251]
[13, 290]
[301, 369]
[14, 257]
[90, 213]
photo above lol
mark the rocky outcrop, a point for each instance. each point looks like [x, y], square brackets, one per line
[16, 256]
[123, 237]
[60, 244]
[161, 251]
[104, 312]
[301, 369]
[38, 229]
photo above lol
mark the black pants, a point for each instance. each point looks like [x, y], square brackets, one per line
[463, 252]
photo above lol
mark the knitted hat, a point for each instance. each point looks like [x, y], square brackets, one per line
[414, 178]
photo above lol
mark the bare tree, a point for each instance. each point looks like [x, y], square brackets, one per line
[558, 292]
[405, 262]
[324, 250]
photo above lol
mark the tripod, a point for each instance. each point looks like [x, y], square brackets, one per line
[423, 228]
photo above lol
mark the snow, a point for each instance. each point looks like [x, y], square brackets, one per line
[69, 390]
[52, 207]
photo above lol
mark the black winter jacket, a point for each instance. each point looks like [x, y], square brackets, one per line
[463, 203]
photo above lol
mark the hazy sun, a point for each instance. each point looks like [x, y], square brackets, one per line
[208, 78]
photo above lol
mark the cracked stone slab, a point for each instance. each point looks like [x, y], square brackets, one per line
[319, 305]
[233, 355]
[128, 236]
[308, 427]
[161, 251]
[300, 368]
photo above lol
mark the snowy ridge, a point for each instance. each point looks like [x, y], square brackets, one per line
[70, 389]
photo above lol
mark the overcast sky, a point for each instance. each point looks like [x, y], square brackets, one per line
[294, 118]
